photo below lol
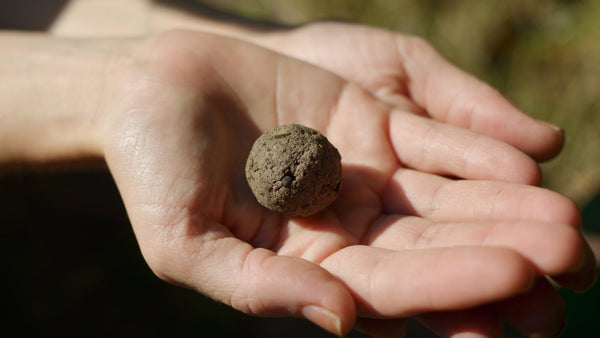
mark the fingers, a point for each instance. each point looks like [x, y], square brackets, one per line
[561, 252]
[427, 145]
[258, 282]
[521, 213]
[387, 283]
[414, 70]
[452, 96]
[540, 312]
[443, 200]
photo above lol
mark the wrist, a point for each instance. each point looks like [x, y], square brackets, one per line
[54, 97]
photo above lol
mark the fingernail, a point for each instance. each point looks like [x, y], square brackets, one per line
[552, 126]
[323, 318]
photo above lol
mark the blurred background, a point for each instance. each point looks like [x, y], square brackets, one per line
[70, 262]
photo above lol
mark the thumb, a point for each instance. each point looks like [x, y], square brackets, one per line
[259, 282]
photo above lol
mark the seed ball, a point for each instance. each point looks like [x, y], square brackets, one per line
[294, 170]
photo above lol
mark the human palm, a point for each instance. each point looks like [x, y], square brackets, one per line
[397, 242]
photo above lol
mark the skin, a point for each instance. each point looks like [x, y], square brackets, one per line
[178, 115]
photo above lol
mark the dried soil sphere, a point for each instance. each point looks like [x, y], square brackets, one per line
[294, 170]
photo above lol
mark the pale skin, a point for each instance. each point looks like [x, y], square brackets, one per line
[174, 116]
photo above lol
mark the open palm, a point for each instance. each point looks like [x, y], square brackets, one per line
[399, 240]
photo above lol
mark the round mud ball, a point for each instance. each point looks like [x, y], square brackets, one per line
[294, 170]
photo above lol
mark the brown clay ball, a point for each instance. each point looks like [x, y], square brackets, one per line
[294, 170]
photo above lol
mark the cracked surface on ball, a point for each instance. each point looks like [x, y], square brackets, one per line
[294, 170]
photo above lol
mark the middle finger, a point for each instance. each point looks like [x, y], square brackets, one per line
[441, 199]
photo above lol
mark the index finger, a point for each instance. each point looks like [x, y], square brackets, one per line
[450, 95]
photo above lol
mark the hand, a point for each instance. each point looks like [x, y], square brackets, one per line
[408, 73]
[397, 242]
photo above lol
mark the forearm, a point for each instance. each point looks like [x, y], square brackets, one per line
[84, 19]
[53, 97]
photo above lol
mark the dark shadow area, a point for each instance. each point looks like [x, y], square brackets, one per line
[73, 268]
[33, 15]
[583, 316]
